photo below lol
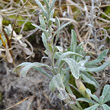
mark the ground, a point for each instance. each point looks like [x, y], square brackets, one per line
[32, 91]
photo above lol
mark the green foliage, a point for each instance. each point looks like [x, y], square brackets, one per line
[72, 60]
[106, 11]
[20, 21]
[98, 102]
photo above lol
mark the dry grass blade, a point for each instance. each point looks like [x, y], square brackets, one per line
[75, 4]
[30, 102]
[67, 19]
[1, 23]
[17, 103]
[39, 105]
[8, 55]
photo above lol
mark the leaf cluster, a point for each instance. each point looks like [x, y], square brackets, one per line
[66, 62]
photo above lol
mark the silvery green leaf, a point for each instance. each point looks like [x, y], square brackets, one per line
[50, 47]
[57, 21]
[106, 93]
[92, 107]
[42, 22]
[25, 69]
[56, 83]
[92, 95]
[86, 100]
[61, 27]
[50, 50]
[27, 66]
[39, 27]
[74, 67]
[67, 94]
[58, 26]
[53, 2]
[64, 55]
[8, 29]
[57, 55]
[89, 79]
[51, 15]
[24, 63]
[21, 65]
[65, 76]
[41, 70]
[98, 69]
[63, 95]
[105, 107]
[41, 6]
[80, 50]
[47, 4]
[44, 40]
[98, 60]
[101, 99]
[73, 41]
[68, 88]
[60, 49]
[52, 19]
[83, 62]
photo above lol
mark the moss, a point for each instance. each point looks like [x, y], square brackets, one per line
[17, 1]
[20, 20]
[70, 27]
[106, 11]
[6, 22]
[17, 30]
[28, 26]
[108, 40]
[32, 38]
